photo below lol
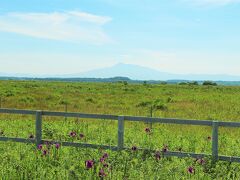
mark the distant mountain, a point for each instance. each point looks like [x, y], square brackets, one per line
[136, 72]
[124, 70]
[133, 72]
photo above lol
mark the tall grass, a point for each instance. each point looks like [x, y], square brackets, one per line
[20, 161]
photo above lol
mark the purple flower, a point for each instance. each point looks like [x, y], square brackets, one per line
[147, 130]
[190, 170]
[81, 136]
[31, 136]
[57, 146]
[157, 155]
[72, 134]
[201, 161]
[105, 155]
[102, 159]
[102, 173]
[89, 164]
[40, 146]
[134, 148]
[165, 148]
[44, 152]
[105, 165]
[48, 144]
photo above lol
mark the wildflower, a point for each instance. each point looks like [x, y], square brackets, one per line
[31, 136]
[40, 146]
[201, 161]
[102, 173]
[157, 155]
[105, 165]
[105, 155]
[81, 136]
[190, 170]
[72, 134]
[44, 152]
[48, 144]
[147, 130]
[165, 148]
[134, 148]
[89, 164]
[102, 159]
[57, 146]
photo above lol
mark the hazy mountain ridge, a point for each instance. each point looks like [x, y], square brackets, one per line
[143, 73]
[134, 72]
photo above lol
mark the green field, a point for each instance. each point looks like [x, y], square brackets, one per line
[21, 161]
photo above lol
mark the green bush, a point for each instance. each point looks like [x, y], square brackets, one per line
[209, 83]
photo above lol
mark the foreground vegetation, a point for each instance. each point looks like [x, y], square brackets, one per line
[21, 161]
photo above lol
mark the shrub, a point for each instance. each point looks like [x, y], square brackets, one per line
[209, 83]
[182, 83]
[27, 100]
[63, 102]
[9, 93]
[90, 100]
[125, 83]
[159, 105]
[144, 104]
[195, 83]
[169, 100]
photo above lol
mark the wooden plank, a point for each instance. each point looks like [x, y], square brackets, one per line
[82, 145]
[229, 159]
[229, 124]
[38, 127]
[175, 153]
[184, 154]
[80, 115]
[215, 140]
[120, 132]
[20, 140]
[169, 121]
[128, 118]
[17, 111]
[114, 148]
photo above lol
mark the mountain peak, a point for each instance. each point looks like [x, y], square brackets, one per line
[138, 72]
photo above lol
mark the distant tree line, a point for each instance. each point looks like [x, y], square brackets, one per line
[204, 83]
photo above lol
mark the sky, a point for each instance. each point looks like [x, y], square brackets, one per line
[72, 36]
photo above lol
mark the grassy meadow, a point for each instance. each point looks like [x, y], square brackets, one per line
[21, 161]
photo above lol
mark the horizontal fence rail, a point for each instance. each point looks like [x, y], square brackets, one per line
[121, 119]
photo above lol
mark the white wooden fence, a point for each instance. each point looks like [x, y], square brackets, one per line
[121, 119]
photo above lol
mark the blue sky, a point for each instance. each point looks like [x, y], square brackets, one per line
[71, 36]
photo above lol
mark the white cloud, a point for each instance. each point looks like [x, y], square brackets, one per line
[71, 26]
[212, 2]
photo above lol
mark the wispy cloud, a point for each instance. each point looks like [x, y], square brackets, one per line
[71, 26]
[212, 2]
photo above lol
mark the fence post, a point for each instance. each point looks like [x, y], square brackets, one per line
[151, 115]
[215, 141]
[38, 127]
[120, 132]
[66, 110]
